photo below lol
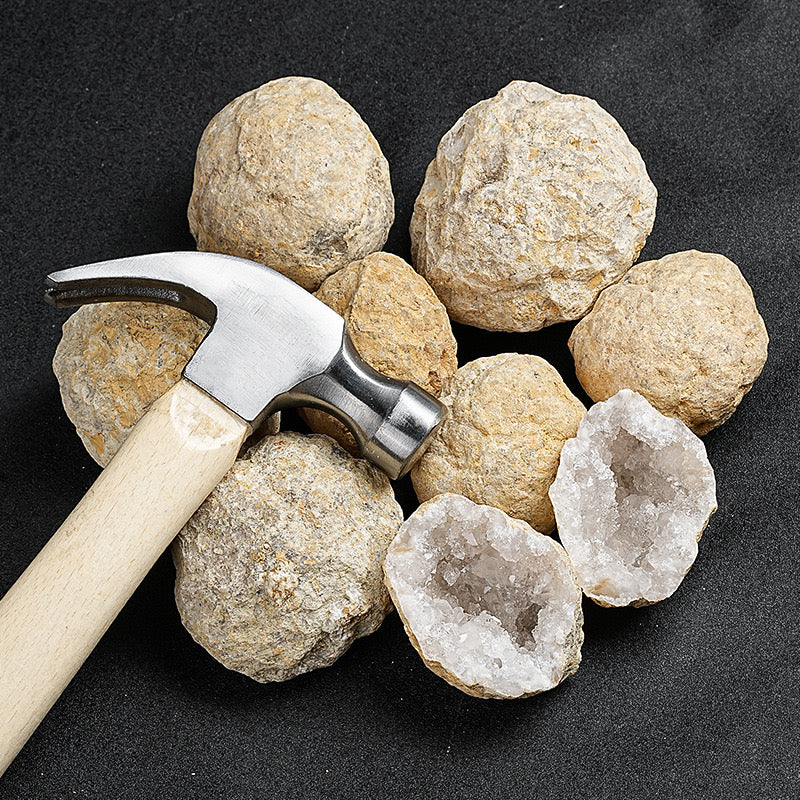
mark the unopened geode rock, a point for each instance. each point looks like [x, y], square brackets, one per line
[633, 494]
[397, 324]
[289, 174]
[279, 570]
[683, 331]
[114, 360]
[509, 415]
[534, 203]
[491, 605]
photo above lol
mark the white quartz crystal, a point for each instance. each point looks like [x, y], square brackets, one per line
[492, 606]
[632, 496]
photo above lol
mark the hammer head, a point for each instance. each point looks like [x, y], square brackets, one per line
[271, 345]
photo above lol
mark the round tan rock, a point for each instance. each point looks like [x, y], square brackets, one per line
[280, 569]
[114, 360]
[491, 605]
[534, 203]
[682, 331]
[397, 324]
[509, 416]
[290, 175]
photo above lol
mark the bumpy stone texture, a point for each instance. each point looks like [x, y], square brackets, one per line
[683, 331]
[509, 416]
[534, 203]
[290, 175]
[492, 606]
[397, 324]
[114, 360]
[279, 570]
[633, 494]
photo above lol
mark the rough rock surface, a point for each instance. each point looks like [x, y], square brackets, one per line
[114, 360]
[397, 324]
[509, 416]
[633, 494]
[279, 570]
[534, 203]
[290, 175]
[492, 606]
[683, 331]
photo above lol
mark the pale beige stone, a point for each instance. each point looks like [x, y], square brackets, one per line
[633, 494]
[290, 175]
[279, 570]
[397, 324]
[509, 416]
[682, 331]
[114, 360]
[534, 203]
[490, 604]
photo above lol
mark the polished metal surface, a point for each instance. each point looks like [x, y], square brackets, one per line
[391, 420]
[271, 345]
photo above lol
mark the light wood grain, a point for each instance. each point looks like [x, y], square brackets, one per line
[56, 612]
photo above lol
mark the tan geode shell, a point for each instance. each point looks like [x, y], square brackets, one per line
[534, 203]
[509, 416]
[682, 331]
[290, 175]
[114, 360]
[397, 324]
[279, 570]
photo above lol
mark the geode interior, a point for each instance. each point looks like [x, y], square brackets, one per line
[491, 605]
[633, 493]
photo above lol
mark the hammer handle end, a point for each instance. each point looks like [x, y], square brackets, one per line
[56, 612]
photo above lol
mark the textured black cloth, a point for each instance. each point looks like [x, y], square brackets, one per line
[101, 108]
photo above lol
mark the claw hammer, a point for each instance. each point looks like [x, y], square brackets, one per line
[271, 345]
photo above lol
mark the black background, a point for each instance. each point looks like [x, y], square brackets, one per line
[101, 108]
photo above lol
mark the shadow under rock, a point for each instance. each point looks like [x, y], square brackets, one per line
[412, 701]
[612, 624]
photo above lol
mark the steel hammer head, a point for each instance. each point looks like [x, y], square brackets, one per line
[271, 345]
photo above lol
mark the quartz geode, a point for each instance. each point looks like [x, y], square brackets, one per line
[490, 604]
[115, 359]
[632, 496]
[397, 324]
[509, 415]
[683, 331]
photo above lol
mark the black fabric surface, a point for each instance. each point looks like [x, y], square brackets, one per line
[101, 109]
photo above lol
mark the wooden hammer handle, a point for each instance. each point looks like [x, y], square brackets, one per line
[56, 612]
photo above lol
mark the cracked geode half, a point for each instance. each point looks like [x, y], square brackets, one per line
[490, 604]
[633, 493]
